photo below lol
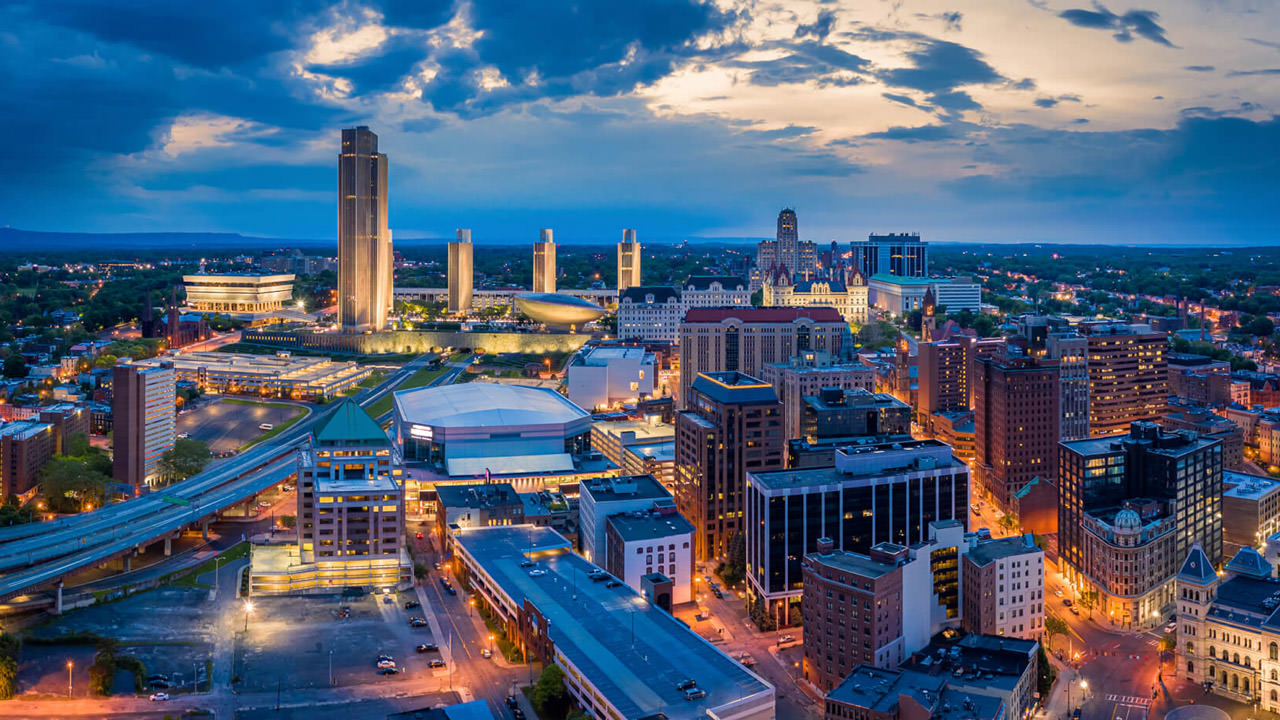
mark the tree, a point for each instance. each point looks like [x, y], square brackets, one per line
[1054, 625]
[549, 697]
[76, 445]
[187, 457]
[1089, 600]
[15, 367]
[1008, 523]
[735, 570]
[1045, 674]
[69, 483]
[8, 677]
[106, 360]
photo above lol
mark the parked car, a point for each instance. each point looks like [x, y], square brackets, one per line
[436, 663]
[157, 697]
[527, 563]
[451, 590]
[537, 572]
[486, 653]
[412, 604]
[388, 671]
[444, 582]
[266, 426]
[517, 713]
[1066, 602]
[686, 683]
[382, 664]
[512, 702]
[612, 584]
[694, 694]
[427, 647]
[437, 565]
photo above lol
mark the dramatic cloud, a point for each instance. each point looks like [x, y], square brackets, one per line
[1123, 27]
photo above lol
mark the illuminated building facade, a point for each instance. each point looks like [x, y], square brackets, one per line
[544, 263]
[364, 241]
[628, 261]
[461, 273]
[235, 293]
[1128, 375]
[143, 421]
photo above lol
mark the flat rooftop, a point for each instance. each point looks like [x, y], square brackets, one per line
[486, 405]
[643, 429]
[860, 565]
[602, 355]
[991, 550]
[625, 487]
[1248, 487]
[649, 525]
[878, 689]
[632, 652]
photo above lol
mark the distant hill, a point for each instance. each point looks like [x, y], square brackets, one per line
[28, 242]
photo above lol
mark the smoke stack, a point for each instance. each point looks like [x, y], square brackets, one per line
[825, 545]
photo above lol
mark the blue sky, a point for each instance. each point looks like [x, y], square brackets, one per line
[999, 120]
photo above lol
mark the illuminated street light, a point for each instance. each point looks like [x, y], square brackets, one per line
[248, 608]
[70, 665]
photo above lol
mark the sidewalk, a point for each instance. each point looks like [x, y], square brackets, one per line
[1058, 707]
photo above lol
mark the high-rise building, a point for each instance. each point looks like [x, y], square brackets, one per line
[808, 374]
[25, 447]
[544, 263]
[798, 257]
[1015, 419]
[875, 493]
[1131, 509]
[364, 241]
[946, 375]
[746, 339]
[900, 254]
[143, 418]
[1128, 375]
[461, 273]
[733, 424]
[628, 261]
[1071, 352]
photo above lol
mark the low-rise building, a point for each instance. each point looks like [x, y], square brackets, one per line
[25, 448]
[650, 314]
[599, 498]
[1250, 510]
[807, 374]
[281, 375]
[701, 291]
[1003, 587]
[477, 505]
[898, 295]
[850, 300]
[603, 377]
[238, 293]
[623, 656]
[639, 447]
[658, 540]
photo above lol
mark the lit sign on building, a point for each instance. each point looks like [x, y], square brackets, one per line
[421, 432]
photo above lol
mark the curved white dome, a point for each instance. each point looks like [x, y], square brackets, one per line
[1128, 520]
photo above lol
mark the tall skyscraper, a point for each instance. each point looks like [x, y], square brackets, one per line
[1015, 423]
[734, 423]
[544, 263]
[1072, 353]
[798, 257]
[788, 239]
[364, 242]
[143, 418]
[461, 273]
[628, 261]
[946, 375]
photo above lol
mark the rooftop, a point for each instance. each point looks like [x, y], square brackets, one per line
[643, 429]
[638, 293]
[878, 689]
[626, 487]
[858, 564]
[735, 387]
[1149, 434]
[989, 551]
[647, 525]
[703, 282]
[350, 423]
[599, 356]
[1248, 487]
[485, 405]
[770, 315]
[23, 429]
[864, 463]
[479, 495]
[634, 653]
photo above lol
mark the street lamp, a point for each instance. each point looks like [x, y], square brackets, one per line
[248, 608]
[70, 665]
[490, 642]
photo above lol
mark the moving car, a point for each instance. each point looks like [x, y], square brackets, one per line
[412, 604]
[157, 697]
[266, 426]
[418, 535]
[686, 683]
[512, 702]
[486, 653]
[427, 647]
[436, 663]
[387, 671]
[537, 572]
[517, 713]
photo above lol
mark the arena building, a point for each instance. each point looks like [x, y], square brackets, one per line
[280, 375]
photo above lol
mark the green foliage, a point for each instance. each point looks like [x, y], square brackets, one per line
[105, 360]
[187, 457]
[77, 445]
[8, 677]
[1045, 674]
[135, 348]
[1054, 625]
[289, 521]
[15, 515]
[549, 697]
[1008, 523]
[69, 483]
[763, 619]
[15, 367]
[877, 334]
[734, 570]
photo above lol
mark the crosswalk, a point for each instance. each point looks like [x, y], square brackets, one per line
[1130, 700]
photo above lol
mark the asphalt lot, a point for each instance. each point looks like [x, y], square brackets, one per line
[290, 640]
[228, 426]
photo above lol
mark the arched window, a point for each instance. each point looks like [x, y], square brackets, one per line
[1248, 661]
[1213, 653]
[1274, 696]
[1190, 647]
[1235, 658]
[1274, 676]
[1244, 684]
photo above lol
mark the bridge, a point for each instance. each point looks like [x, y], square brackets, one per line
[41, 555]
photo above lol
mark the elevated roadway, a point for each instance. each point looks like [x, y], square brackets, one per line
[42, 554]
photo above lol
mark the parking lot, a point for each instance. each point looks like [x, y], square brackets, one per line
[293, 640]
[228, 426]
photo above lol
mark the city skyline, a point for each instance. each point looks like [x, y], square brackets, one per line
[1053, 121]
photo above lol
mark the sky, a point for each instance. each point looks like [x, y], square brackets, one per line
[964, 120]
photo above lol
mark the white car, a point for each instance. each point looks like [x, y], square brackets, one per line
[266, 426]
[537, 572]
[386, 664]
[156, 697]
[486, 653]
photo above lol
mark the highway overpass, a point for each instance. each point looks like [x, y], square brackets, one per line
[41, 555]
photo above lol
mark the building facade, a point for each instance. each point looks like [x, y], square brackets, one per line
[544, 263]
[1016, 423]
[656, 540]
[650, 314]
[808, 374]
[237, 293]
[715, 291]
[25, 447]
[461, 273]
[1128, 375]
[601, 377]
[1250, 511]
[733, 425]
[945, 375]
[849, 300]
[787, 250]
[364, 241]
[1002, 587]
[1131, 509]
[143, 421]
[895, 254]
[745, 340]
[1071, 352]
[601, 497]
[628, 261]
